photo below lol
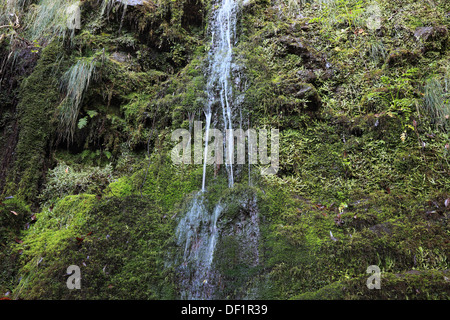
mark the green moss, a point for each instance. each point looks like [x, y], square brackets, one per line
[38, 98]
[122, 187]
[363, 170]
[406, 286]
[93, 234]
[48, 245]
[14, 214]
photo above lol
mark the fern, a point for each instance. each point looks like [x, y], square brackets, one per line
[82, 123]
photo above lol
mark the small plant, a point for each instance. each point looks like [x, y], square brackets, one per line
[66, 180]
[74, 83]
[398, 94]
[340, 13]
[377, 51]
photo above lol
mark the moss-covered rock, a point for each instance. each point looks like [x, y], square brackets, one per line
[38, 98]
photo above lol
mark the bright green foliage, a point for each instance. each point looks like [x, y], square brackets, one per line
[68, 180]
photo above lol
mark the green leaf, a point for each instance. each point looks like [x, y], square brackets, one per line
[85, 153]
[82, 123]
[92, 113]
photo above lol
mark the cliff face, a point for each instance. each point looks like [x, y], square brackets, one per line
[359, 91]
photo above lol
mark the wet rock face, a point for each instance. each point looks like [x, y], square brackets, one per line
[237, 256]
[197, 235]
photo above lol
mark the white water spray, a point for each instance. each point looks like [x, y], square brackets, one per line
[197, 231]
[219, 89]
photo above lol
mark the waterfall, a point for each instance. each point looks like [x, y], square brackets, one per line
[219, 89]
[197, 236]
[197, 232]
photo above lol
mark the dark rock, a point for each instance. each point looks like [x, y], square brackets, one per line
[382, 228]
[399, 57]
[432, 38]
[423, 33]
[430, 33]
[311, 58]
[291, 92]
[309, 93]
[120, 57]
[300, 27]
[307, 76]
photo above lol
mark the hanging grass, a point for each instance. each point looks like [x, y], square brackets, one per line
[74, 84]
[377, 51]
[11, 7]
[49, 19]
[435, 103]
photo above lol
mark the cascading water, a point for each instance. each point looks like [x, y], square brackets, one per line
[197, 236]
[219, 89]
[197, 232]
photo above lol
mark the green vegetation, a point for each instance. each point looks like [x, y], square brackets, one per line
[363, 113]
[75, 82]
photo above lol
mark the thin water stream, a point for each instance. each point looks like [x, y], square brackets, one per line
[197, 232]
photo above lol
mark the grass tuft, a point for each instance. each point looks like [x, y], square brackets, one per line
[74, 83]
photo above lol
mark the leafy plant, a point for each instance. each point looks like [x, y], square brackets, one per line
[68, 180]
[334, 13]
[83, 121]
[398, 94]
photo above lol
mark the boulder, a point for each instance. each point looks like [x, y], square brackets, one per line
[432, 38]
[300, 91]
[400, 57]
[382, 228]
[430, 33]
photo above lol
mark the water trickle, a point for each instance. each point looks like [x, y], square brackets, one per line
[197, 235]
[219, 89]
